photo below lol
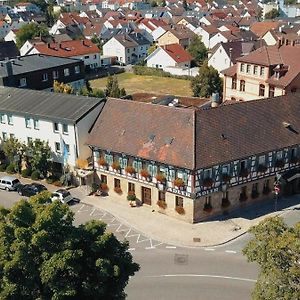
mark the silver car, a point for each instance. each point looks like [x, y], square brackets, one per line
[9, 183]
[62, 195]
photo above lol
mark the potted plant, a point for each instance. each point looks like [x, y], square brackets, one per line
[279, 163]
[226, 177]
[145, 174]
[131, 197]
[266, 190]
[118, 190]
[103, 187]
[225, 202]
[94, 188]
[243, 197]
[102, 163]
[244, 173]
[116, 166]
[130, 170]
[262, 168]
[207, 207]
[162, 204]
[160, 177]
[178, 183]
[208, 182]
[180, 210]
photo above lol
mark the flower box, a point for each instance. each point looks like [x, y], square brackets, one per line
[103, 187]
[116, 166]
[178, 183]
[130, 170]
[208, 182]
[160, 177]
[162, 204]
[279, 163]
[180, 210]
[207, 207]
[145, 174]
[262, 168]
[225, 203]
[102, 163]
[118, 190]
[244, 173]
[226, 177]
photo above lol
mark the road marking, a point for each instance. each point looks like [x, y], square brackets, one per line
[92, 211]
[148, 248]
[230, 251]
[203, 275]
[209, 249]
[131, 249]
[80, 209]
[170, 247]
[128, 232]
[138, 239]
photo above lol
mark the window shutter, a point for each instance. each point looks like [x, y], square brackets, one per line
[121, 162]
[171, 175]
[150, 169]
[135, 165]
[124, 162]
[154, 172]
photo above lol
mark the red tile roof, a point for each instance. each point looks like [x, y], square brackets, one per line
[177, 52]
[68, 48]
[260, 28]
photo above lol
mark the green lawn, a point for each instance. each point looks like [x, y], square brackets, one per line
[148, 84]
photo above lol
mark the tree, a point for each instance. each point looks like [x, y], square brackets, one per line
[39, 154]
[151, 49]
[185, 5]
[13, 147]
[30, 31]
[112, 88]
[44, 256]
[276, 248]
[60, 87]
[206, 82]
[272, 14]
[153, 3]
[163, 3]
[197, 50]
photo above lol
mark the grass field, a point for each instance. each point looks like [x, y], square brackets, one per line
[148, 84]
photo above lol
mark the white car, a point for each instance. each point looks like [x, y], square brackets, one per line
[63, 196]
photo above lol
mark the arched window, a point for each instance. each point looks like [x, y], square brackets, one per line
[261, 90]
[242, 85]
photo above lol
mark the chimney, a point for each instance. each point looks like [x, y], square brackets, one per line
[9, 68]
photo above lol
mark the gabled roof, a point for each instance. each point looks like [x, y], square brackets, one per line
[177, 53]
[260, 28]
[131, 39]
[46, 105]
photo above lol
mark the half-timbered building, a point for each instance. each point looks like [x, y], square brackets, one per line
[193, 163]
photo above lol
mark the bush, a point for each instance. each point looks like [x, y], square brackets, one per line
[3, 167]
[180, 210]
[52, 178]
[162, 204]
[57, 183]
[26, 173]
[94, 187]
[118, 190]
[131, 196]
[11, 168]
[35, 175]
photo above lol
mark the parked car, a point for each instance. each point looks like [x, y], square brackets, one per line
[9, 183]
[32, 189]
[64, 197]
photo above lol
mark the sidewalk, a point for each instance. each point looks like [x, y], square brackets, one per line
[172, 231]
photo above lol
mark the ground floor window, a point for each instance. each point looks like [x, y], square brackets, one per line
[225, 200]
[131, 187]
[103, 179]
[254, 193]
[243, 194]
[117, 183]
[179, 201]
[161, 196]
[266, 187]
[207, 204]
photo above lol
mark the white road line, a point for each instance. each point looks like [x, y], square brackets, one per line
[203, 275]
[92, 211]
[102, 216]
[170, 247]
[131, 249]
[230, 251]
[148, 248]
[160, 243]
[117, 230]
[138, 240]
[128, 232]
[209, 249]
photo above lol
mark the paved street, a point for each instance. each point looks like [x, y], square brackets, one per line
[172, 272]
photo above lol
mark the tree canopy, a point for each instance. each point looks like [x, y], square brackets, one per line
[30, 31]
[44, 256]
[276, 248]
[197, 50]
[112, 88]
[272, 14]
[206, 82]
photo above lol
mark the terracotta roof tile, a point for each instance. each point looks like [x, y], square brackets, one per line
[177, 52]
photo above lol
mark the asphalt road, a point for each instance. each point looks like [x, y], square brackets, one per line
[170, 272]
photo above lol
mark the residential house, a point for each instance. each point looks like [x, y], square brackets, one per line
[284, 35]
[128, 48]
[202, 162]
[11, 36]
[4, 29]
[266, 72]
[26, 7]
[62, 120]
[84, 50]
[206, 32]
[38, 72]
[261, 28]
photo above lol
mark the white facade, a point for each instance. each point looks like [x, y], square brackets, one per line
[4, 29]
[220, 60]
[11, 36]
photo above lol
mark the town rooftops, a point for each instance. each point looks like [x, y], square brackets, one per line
[197, 138]
[8, 50]
[131, 39]
[177, 52]
[46, 105]
[34, 62]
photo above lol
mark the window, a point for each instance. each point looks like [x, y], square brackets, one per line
[87, 57]
[117, 183]
[179, 201]
[255, 187]
[266, 183]
[2, 118]
[271, 91]
[103, 178]
[248, 69]
[261, 90]
[65, 128]
[67, 149]
[207, 173]
[279, 155]
[45, 77]
[242, 68]
[4, 136]
[262, 160]
[95, 56]
[55, 127]
[243, 165]
[233, 83]
[225, 169]
[57, 147]
[161, 196]
[77, 69]
[66, 72]
[28, 122]
[242, 85]
[128, 50]
[55, 74]
[208, 200]
[23, 82]
[36, 124]
[255, 70]
[10, 119]
[262, 71]
[131, 187]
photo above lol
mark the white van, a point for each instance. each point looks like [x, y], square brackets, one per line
[9, 183]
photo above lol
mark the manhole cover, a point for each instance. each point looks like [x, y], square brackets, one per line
[181, 259]
[196, 240]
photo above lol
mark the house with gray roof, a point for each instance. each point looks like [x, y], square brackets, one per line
[60, 119]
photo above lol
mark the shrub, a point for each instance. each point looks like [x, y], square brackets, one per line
[208, 182]
[160, 177]
[178, 182]
[102, 162]
[103, 187]
[94, 187]
[52, 178]
[144, 173]
[115, 165]
[180, 210]
[279, 163]
[130, 170]
[3, 167]
[162, 204]
[118, 190]
[10, 169]
[225, 202]
[207, 207]
[244, 173]
[57, 183]
[131, 196]
[81, 163]
[35, 175]
[26, 173]
[294, 160]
